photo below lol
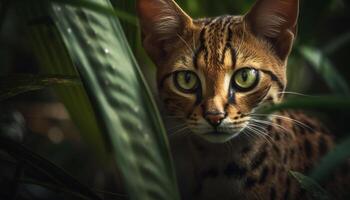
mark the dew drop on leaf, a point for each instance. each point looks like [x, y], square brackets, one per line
[106, 51]
[58, 8]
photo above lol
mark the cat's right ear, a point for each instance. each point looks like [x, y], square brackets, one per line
[162, 23]
[275, 20]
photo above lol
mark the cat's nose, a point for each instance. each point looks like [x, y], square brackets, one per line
[214, 118]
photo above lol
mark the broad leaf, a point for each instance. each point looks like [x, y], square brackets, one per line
[322, 102]
[337, 43]
[311, 186]
[325, 68]
[51, 53]
[13, 85]
[331, 161]
[126, 114]
[96, 7]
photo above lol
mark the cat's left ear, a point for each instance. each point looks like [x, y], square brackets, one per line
[162, 23]
[275, 20]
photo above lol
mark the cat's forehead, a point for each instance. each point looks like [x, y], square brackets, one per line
[223, 43]
[215, 46]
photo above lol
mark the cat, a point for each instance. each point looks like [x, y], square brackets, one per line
[213, 74]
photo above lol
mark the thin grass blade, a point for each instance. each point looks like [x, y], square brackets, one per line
[321, 102]
[14, 85]
[311, 186]
[55, 173]
[325, 68]
[335, 158]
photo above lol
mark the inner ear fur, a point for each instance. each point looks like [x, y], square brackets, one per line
[162, 23]
[276, 21]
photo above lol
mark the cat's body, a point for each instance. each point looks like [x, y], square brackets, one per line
[251, 167]
[212, 76]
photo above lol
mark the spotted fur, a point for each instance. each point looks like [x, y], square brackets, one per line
[245, 155]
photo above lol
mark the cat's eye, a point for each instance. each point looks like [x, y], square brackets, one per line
[186, 81]
[245, 79]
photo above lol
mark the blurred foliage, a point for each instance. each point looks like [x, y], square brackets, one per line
[332, 161]
[14, 85]
[313, 188]
[55, 174]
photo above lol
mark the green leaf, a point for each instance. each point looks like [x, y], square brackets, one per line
[331, 161]
[125, 110]
[325, 68]
[51, 53]
[56, 174]
[50, 186]
[13, 85]
[311, 186]
[96, 7]
[337, 43]
[322, 102]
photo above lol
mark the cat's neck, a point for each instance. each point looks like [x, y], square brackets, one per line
[235, 145]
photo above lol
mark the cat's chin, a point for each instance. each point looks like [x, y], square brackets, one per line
[218, 137]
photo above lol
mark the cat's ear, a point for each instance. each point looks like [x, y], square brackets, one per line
[162, 23]
[275, 20]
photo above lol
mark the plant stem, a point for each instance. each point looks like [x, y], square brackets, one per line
[16, 181]
[3, 12]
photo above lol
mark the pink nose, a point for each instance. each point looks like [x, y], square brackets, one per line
[214, 119]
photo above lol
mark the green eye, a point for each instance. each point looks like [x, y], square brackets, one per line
[186, 81]
[246, 79]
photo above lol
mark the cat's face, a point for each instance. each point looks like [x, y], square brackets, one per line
[213, 73]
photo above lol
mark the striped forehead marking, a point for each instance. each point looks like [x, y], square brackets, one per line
[216, 39]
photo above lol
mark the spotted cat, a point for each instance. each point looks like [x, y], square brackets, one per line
[212, 75]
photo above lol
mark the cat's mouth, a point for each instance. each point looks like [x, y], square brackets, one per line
[217, 136]
[218, 133]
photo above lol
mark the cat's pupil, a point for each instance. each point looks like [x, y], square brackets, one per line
[187, 77]
[244, 76]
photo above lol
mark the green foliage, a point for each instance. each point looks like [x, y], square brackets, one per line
[311, 186]
[14, 85]
[58, 176]
[332, 161]
[315, 103]
[47, 44]
[127, 113]
[96, 7]
[337, 44]
[325, 68]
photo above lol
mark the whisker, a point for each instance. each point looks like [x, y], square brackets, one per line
[297, 93]
[242, 40]
[244, 131]
[176, 127]
[194, 42]
[187, 45]
[252, 131]
[261, 130]
[258, 132]
[175, 117]
[271, 124]
[179, 132]
[285, 118]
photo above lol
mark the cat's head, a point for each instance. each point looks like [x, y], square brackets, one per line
[213, 73]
